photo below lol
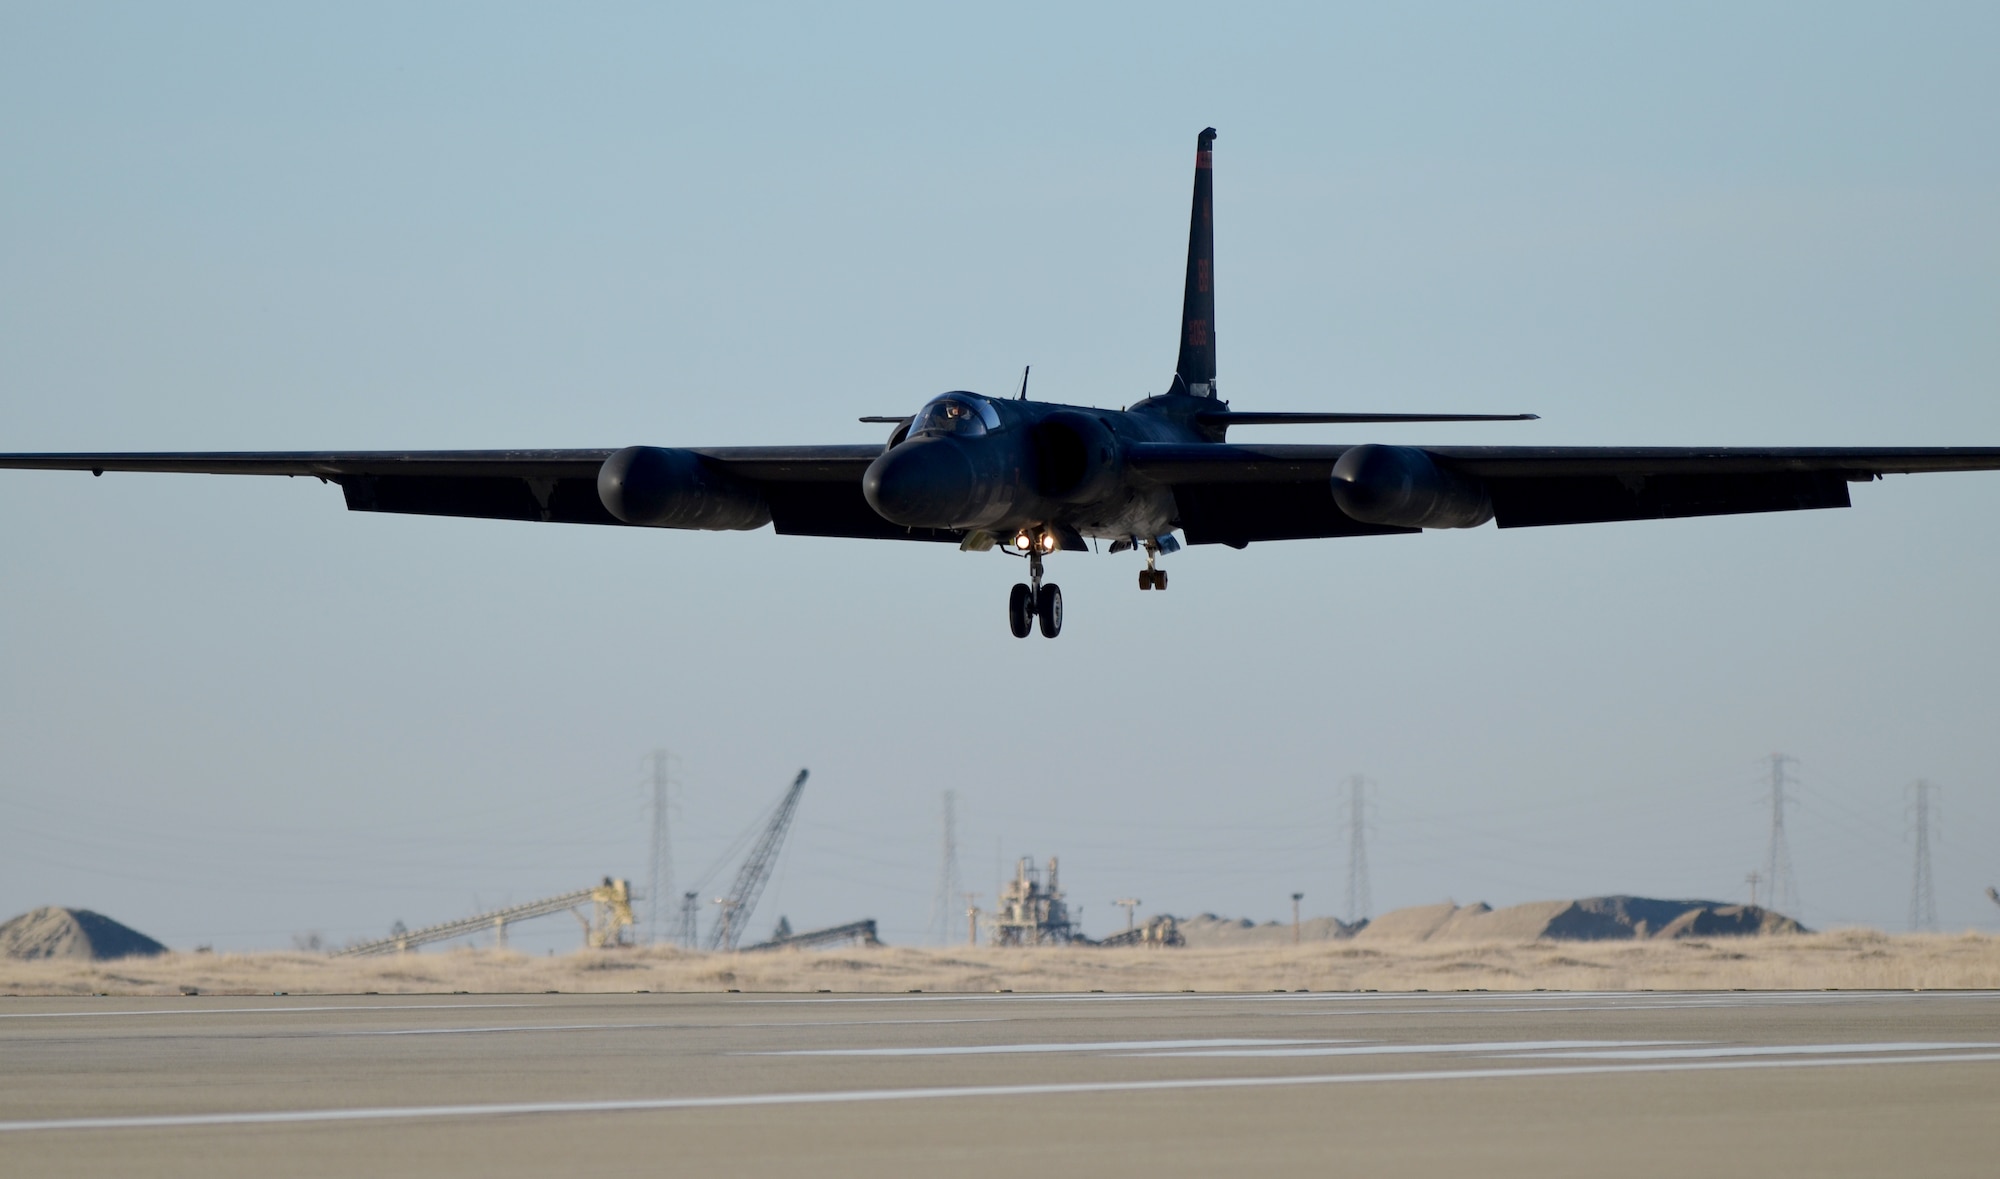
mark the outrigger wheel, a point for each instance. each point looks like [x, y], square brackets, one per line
[1021, 611]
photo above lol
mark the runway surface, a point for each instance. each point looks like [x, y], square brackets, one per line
[1869, 1083]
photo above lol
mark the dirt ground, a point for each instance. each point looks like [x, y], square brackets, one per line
[1863, 959]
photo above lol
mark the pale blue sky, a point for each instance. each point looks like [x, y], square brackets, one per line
[231, 710]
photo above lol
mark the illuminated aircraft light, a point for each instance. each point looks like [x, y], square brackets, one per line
[1048, 542]
[1023, 541]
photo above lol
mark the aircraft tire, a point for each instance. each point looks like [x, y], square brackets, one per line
[1048, 607]
[1145, 579]
[1159, 579]
[1021, 611]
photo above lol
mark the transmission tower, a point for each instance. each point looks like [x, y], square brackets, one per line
[1784, 887]
[684, 929]
[1359, 903]
[1923, 902]
[660, 881]
[944, 917]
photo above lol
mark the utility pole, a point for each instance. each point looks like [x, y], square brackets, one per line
[947, 886]
[971, 918]
[1359, 903]
[660, 881]
[1753, 879]
[1923, 901]
[1784, 892]
[1296, 898]
[1129, 904]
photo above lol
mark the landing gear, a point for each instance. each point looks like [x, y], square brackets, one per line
[1035, 601]
[1048, 607]
[1150, 577]
[1021, 611]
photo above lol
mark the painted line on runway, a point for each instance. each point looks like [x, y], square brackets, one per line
[858, 1096]
[1721, 1050]
[1133, 1046]
[1526, 1047]
[263, 1010]
[683, 1027]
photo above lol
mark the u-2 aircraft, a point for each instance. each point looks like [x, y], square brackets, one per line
[1035, 478]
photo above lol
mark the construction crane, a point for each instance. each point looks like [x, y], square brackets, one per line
[755, 873]
[611, 916]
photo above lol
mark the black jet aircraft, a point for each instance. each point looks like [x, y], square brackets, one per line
[1033, 478]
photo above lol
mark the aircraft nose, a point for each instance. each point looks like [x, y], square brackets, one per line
[922, 483]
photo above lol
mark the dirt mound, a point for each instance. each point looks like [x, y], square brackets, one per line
[1416, 924]
[1210, 930]
[52, 932]
[1588, 920]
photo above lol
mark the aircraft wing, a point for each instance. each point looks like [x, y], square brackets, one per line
[1234, 493]
[812, 490]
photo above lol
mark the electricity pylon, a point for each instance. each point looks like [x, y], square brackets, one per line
[943, 905]
[1784, 887]
[1359, 903]
[1923, 899]
[660, 881]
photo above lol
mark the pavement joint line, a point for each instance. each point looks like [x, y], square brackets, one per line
[1539, 1000]
[262, 1010]
[509, 1109]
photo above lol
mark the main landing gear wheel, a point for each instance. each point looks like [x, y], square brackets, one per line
[1152, 579]
[1048, 607]
[1021, 611]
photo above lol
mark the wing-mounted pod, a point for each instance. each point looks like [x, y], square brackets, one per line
[659, 487]
[1077, 458]
[1404, 487]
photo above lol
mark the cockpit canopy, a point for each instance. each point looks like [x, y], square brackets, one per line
[963, 414]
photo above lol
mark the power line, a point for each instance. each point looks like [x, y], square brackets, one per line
[1359, 903]
[1923, 899]
[1784, 886]
[944, 918]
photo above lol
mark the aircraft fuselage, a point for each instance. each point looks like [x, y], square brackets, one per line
[1019, 469]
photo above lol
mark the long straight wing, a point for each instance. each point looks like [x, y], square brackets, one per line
[812, 490]
[1234, 493]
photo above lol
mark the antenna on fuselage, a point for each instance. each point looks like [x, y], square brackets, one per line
[1024, 382]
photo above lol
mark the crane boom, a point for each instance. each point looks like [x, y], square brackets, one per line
[755, 873]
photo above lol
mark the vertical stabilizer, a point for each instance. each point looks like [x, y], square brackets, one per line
[1195, 374]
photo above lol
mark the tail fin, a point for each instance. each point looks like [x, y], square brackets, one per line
[1195, 374]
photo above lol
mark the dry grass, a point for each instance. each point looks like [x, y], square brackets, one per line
[1858, 959]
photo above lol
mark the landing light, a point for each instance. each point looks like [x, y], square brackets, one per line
[1023, 541]
[1048, 542]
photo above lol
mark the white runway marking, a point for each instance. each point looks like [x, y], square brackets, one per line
[592, 1027]
[1134, 1046]
[1527, 1047]
[1719, 1050]
[406, 1113]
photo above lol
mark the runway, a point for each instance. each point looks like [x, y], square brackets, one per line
[1852, 1083]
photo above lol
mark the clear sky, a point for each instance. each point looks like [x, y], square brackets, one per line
[231, 711]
